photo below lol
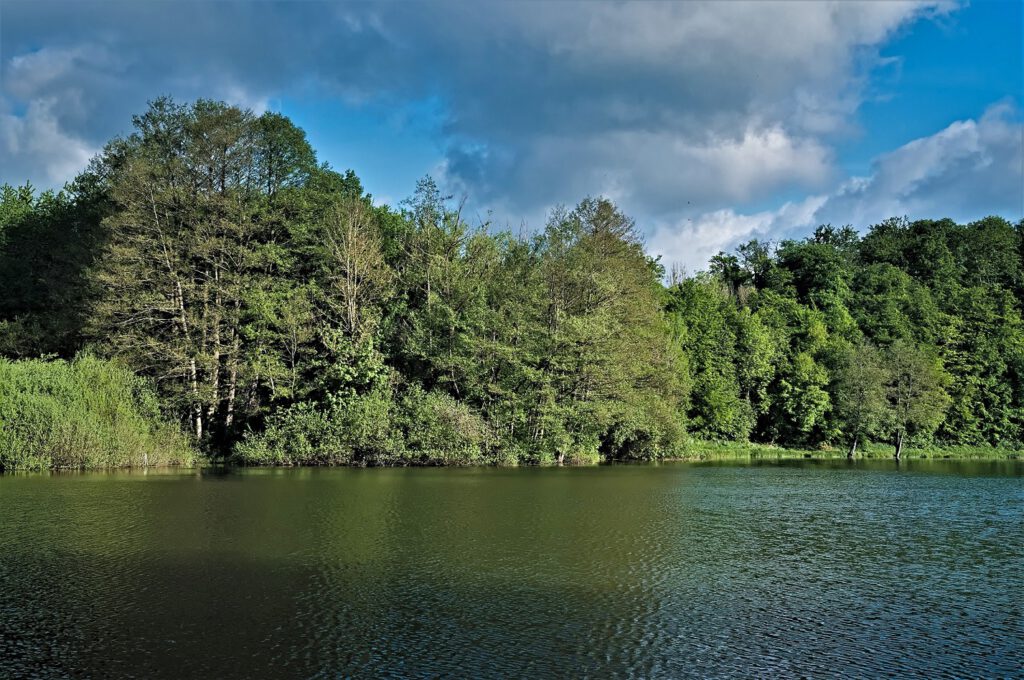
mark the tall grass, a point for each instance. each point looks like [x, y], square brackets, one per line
[87, 413]
[707, 450]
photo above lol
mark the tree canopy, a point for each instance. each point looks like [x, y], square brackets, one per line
[284, 317]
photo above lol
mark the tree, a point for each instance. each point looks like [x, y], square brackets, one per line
[916, 393]
[48, 242]
[607, 355]
[357, 276]
[264, 293]
[728, 270]
[861, 397]
[194, 243]
[719, 406]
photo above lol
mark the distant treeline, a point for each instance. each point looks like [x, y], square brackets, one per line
[281, 317]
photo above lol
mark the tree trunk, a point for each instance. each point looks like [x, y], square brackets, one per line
[853, 449]
[211, 407]
[197, 406]
[214, 405]
[229, 416]
[899, 446]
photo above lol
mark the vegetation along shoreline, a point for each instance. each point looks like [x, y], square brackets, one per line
[207, 291]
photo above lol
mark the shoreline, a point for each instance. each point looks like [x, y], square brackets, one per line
[710, 454]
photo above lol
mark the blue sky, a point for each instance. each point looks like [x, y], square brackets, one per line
[709, 122]
[948, 69]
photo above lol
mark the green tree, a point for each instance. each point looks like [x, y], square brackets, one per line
[188, 283]
[719, 407]
[916, 392]
[48, 242]
[861, 394]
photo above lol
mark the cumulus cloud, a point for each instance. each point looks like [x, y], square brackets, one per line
[36, 145]
[693, 243]
[715, 102]
[657, 103]
[673, 109]
[47, 98]
[970, 169]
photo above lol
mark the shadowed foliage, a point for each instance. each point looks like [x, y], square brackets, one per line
[284, 318]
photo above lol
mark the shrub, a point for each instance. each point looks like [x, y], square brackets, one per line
[650, 431]
[342, 431]
[420, 428]
[440, 430]
[87, 413]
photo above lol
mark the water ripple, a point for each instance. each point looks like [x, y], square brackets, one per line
[796, 570]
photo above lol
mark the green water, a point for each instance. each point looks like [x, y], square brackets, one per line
[776, 569]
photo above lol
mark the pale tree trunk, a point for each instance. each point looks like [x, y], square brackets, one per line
[211, 408]
[352, 274]
[193, 371]
[229, 415]
[899, 445]
[197, 407]
[853, 449]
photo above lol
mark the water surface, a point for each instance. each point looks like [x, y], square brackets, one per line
[784, 569]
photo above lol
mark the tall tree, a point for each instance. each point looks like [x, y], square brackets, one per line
[194, 240]
[861, 394]
[917, 395]
[357, 277]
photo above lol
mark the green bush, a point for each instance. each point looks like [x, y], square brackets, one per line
[87, 413]
[439, 430]
[344, 431]
[649, 431]
[420, 428]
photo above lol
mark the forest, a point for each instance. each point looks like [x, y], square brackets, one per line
[207, 289]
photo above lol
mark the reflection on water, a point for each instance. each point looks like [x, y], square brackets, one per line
[796, 568]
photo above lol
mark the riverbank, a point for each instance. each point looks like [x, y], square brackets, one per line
[696, 452]
[739, 451]
[91, 414]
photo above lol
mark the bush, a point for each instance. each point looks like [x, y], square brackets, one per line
[342, 431]
[647, 432]
[440, 430]
[421, 428]
[87, 413]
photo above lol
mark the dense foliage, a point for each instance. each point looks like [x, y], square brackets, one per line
[912, 333]
[284, 318]
[79, 414]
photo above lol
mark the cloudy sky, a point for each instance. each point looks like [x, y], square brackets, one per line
[710, 122]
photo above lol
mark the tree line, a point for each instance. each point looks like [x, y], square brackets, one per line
[283, 317]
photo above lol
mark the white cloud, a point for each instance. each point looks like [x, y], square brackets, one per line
[35, 144]
[672, 109]
[970, 169]
[237, 95]
[544, 102]
[693, 242]
[53, 97]
[657, 171]
[30, 73]
[715, 102]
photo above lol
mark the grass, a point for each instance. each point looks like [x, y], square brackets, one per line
[699, 450]
[83, 414]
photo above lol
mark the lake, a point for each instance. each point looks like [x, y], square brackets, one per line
[808, 568]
